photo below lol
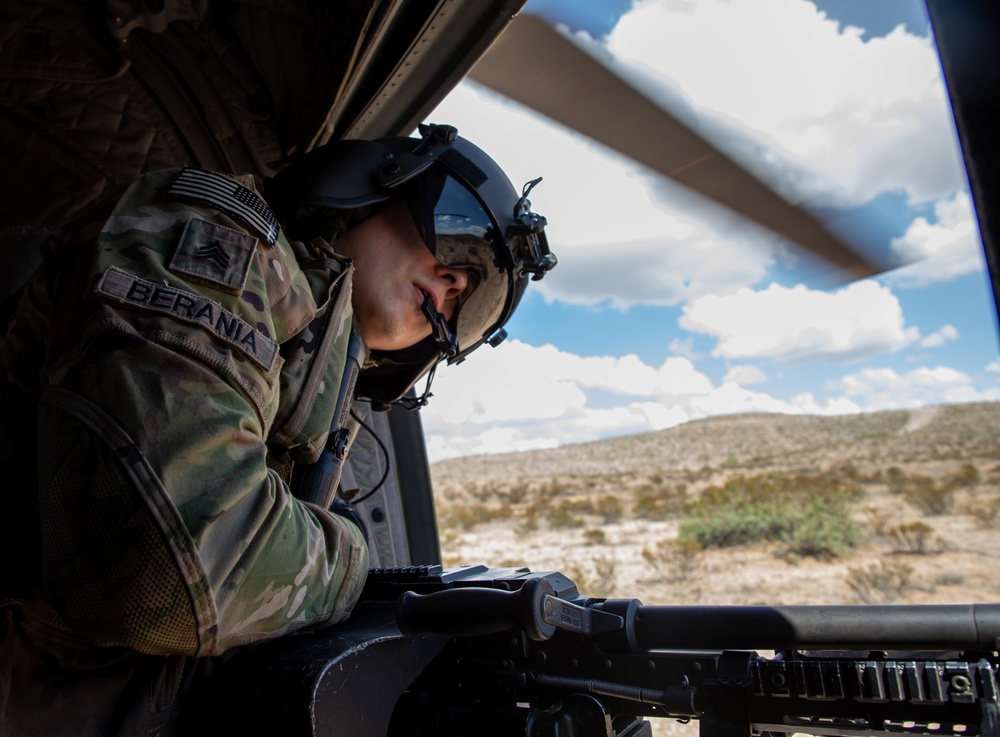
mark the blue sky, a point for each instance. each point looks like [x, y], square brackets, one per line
[665, 310]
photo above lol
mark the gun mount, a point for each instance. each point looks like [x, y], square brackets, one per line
[478, 651]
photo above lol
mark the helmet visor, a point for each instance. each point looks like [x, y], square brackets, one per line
[461, 234]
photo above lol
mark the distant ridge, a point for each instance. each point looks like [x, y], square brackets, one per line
[756, 440]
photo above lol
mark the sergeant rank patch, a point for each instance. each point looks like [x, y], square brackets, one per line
[127, 289]
[214, 254]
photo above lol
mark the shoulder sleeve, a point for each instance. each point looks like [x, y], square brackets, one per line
[162, 381]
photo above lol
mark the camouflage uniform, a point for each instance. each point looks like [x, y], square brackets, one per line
[175, 359]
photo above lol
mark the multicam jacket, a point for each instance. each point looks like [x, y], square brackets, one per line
[176, 358]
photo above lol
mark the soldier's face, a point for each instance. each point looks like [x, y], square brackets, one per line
[393, 271]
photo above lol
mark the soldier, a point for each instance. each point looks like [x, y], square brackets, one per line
[176, 356]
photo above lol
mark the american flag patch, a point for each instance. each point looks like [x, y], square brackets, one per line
[229, 197]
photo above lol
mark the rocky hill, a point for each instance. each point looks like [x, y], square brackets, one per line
[755, 440]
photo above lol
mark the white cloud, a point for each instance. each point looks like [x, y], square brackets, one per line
[885, 388]
[731, 398]
[518, 397]
[662, 272]
[684, 347]
[807, 404]
[943, 250]
[818, 97]
[678, 377]
[944, 335]
[745, 374]
[862, 319]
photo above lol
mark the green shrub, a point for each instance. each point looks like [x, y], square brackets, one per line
[810, 515]
[738, 527]
[825, 530]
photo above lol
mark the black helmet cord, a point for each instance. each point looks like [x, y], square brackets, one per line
[444, 336]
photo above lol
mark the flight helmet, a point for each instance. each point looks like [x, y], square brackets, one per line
[467, 213]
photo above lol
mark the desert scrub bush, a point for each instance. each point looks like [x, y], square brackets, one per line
[658, 502]
[606, 570]
[895, 479]
[483, 491]
[554, 487]
[595, 536]
[610, 508]
[929, 497]
[917, 538]
[880, 583]
[986, 511]
[950, 578]
[527, 525]
[513, 493]
[809, 514]
[846, 471]
[825, 530]
[877, 520]
[967, 475]
[451, 538]
[597, 579]
[562, 516]
[465, 516]
[676, 560]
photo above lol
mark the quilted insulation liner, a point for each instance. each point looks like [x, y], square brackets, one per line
[82, 114]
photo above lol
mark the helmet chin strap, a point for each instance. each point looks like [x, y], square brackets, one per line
[447, 340]
[447, 343]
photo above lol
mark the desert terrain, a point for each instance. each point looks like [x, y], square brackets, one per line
[890, 507]
[593, 510]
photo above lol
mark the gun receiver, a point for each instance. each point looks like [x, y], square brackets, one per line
[529, 655]
[483, 652]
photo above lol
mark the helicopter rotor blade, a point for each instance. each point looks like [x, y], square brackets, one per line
[542, 68]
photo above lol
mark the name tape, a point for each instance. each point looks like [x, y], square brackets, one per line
[124, 288]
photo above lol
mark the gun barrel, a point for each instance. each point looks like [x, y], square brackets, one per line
[925, 627]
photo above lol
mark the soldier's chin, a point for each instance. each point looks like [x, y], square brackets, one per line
[391, 373]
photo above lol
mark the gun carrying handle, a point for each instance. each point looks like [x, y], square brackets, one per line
[472, 610]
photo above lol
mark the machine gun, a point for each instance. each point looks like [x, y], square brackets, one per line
[480, 652]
